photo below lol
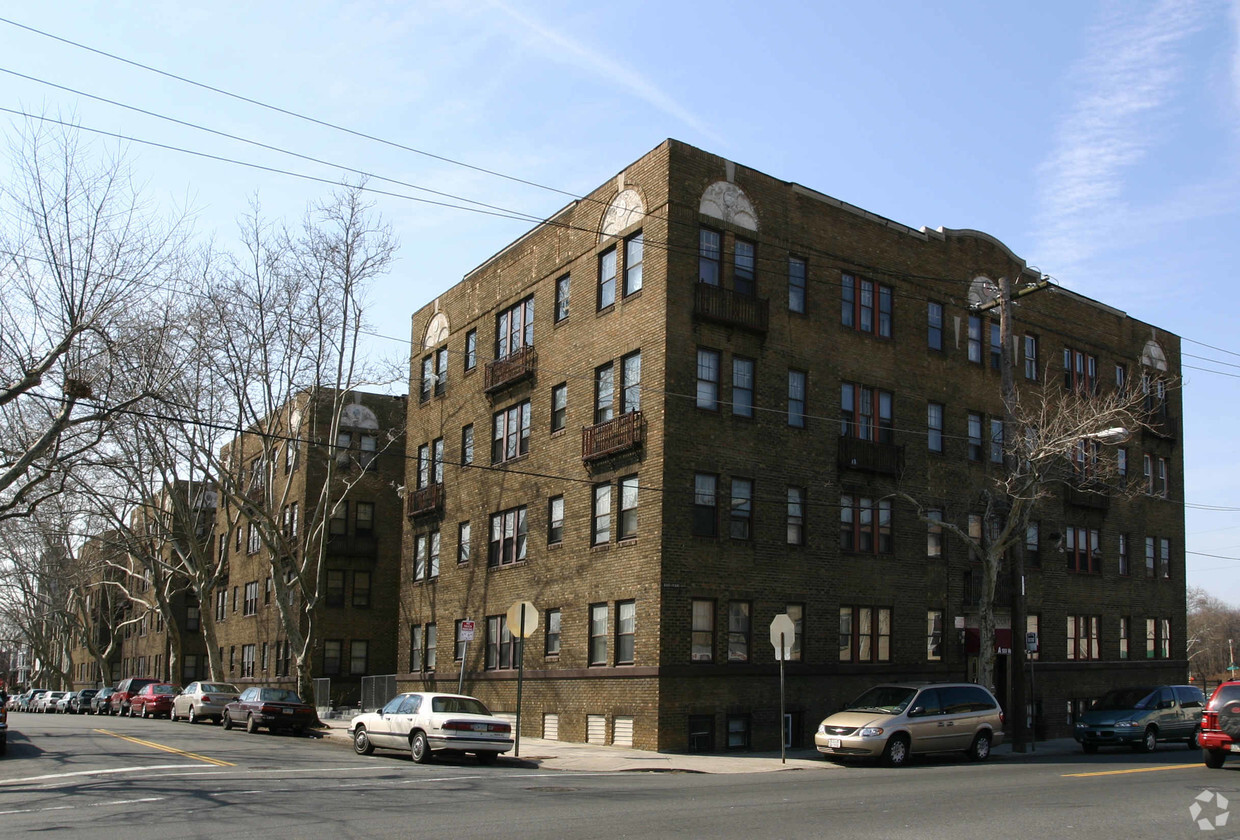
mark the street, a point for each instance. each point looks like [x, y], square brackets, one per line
[77, 776]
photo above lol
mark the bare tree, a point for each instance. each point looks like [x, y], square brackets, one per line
[1213, 625]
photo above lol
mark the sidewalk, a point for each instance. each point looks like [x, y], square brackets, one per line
[592, 758]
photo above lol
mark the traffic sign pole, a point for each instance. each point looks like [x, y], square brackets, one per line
[516, 751]
[783, 742]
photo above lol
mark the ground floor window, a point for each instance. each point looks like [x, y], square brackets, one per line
[738, 732]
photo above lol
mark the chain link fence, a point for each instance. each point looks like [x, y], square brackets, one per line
[376, 691]
[323, 695]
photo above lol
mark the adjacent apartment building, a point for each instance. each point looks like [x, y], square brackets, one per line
[682, 406]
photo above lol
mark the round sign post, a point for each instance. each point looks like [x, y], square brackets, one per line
[783, 634]
[522, 621]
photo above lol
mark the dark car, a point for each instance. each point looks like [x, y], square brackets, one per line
[79, 703]
[118, 703]
[99, 703]
[1220, 725]
[154, 700]
[1141, 716]
[274, 708]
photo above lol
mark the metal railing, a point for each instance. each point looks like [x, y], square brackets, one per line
[615, 435]
[424, 500]
[727, 307]
[512, 368]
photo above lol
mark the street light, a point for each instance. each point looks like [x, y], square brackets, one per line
[1116, 434]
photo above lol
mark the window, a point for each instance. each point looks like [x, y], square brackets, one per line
[631, 382]
[866, 413]
[559, 407]
[996, 347]
[738, 732]
[865, 525]
[934, 427]
[555, 520]
[501, 645]
[424, 466]
[364, 518]
[1149, 557]
[508, 533]
[738, 631]
[1031, 358]
[604, 393]
[705, 516]
[514, 328]
[1080, 371]
[975, 339]
[333, 649]
[361, 589]
[857, 307]
[708, 379]
[552, 636]
[633, 247]
[1083, 637]
[221, 605]
[253, 539]
[742, 386]
[436, 462]
[458, 649]
[1164, 558]
[1147, 473]
[510, 433]
[628, 508]
[432, 642]
[743, 268]
[934, 635]
[463, 549]
[934, 534]
[626, 631]
[561, 298]
[598, 634]
[796, 285]
[291, 521]
[426, 556]
[428, 383]
[702, 632]
[1121, 380]
[1033, 557]
[606, 278]
[741, 516]
[1163, 638]
[415, 647]
[796, 516]
[1121, 466]
[1125, 633]
[796, 398]
[1082, 549]
[268, 589]
[1033, 623]
[441, 371]
[193, 618]
[975, 436]
[247, 660]
[1160, 486]
[865, 634]
[251, 598]
[601, 515]
[471, 350]
[1125, 566]
[709, 252]
[359, 651]
[996, 441]
[467, 444]
[934, 325]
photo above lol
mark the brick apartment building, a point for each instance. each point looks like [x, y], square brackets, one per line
[680, 407]
[357, 608]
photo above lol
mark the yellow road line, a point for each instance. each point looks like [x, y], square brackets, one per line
[217, 762]
[1136, 770]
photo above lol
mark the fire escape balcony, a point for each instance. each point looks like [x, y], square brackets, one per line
[619, 434]
[713, 303]
[511, 369]
[871, 456]
[972, 594]
[426, 500]
[1088, 493]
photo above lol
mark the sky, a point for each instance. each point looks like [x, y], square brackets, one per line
[1099, 140]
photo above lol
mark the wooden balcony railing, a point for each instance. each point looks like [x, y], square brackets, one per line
[616, 435]
[512, 368]
[428, 499]
[723, 306]
[871, 456]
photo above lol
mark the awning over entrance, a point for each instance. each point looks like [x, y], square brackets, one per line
[1003, 640]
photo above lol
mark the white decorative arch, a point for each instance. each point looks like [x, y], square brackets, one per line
[1153, 356]
[436, 331]
[626, 209]
[982, 290]
[726, 201]
[358, 416]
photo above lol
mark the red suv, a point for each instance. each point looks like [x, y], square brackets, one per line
[118, 703]
[1220, 724]
[153, 700]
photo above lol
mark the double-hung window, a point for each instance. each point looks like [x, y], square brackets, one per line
[514, 328]
[934, 427]
[975, 339]
[709, 253]
[633, 247]
[865, 634]
[510, 436]
[601, 515]
[739, 630]
[604, 392]
[1083, 549]
[796, 516]
[702, 631]
[598, 634]
[561, 297]
[934, 325]
[975, 436]
[708, 379]
[628, 508]
[865, 525]
[626, 631]
[796, 398]
[796, 285]
[559, 407]
[866, 306]
[741, 515]
[555, 520]
[743, 268]
[607, 278]
[1031, 358]
[866, 413]
[1080, 371]
[1082, 637]
[631, 382]
[742, 386]
[508, 535]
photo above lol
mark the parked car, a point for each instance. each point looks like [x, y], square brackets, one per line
[62, 705]
[892, 722]
[118, 703]
[1220, 725]
[1141, 716]
[99, 703]
[274, 708]
[153, 700]
[203, 701]
[4, 726]
[424, 723]
[47, 701]
[30, 698]
[79, 703]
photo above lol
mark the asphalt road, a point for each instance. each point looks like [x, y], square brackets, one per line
[118, 777]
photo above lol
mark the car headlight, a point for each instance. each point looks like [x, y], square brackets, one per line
[822, 729]
[1125, 724]
[1082, 726]
[870, 731]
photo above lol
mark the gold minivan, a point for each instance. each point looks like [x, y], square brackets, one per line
[895, 721]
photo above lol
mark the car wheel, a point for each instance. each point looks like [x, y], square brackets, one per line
[1149, 740]
[980, 748]
[1194, 741]
[146, 711]
[251, 725]
[487, 758]
[1214, 758]
[361, 742]
[1090, 749]
[419, 749]
[299, 731]
[895, 754]
[193, 716]
[227, 720]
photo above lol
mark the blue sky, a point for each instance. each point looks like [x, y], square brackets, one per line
[1098, 140]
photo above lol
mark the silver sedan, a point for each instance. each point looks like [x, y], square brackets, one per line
[203, 701]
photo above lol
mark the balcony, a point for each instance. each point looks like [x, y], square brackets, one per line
[619, 434]
[1088, 493]
[871, 456]
[1163, 425]
[511, 369]
[973, 588]
[426, 500]
[712, 303]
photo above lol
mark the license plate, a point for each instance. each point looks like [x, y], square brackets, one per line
[288, 711]
[479, 727]
[833, 743]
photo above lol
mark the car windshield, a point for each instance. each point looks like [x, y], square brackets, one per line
[1119, 699]
[883, 698]
[279, 695]
[218, 688]
[459, 705]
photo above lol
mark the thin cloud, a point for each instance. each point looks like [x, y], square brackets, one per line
[1129, 77]
[612, 71]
